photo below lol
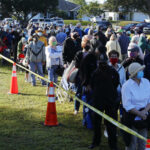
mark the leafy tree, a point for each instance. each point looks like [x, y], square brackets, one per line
[94, 9]
[128, 5]
[21, 8]
[79, 2]
[91, 9]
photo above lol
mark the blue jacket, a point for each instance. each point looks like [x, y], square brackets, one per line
[124, 43]
[61, 37]
[79, 31]
[147, 68]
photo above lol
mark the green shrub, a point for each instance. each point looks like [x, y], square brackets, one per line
[85, 23]
[74, 22]
[123, 23]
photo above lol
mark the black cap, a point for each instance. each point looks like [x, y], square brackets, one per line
[134, 49]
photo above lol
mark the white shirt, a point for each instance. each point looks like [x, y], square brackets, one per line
[53, 57]
[134, 95]
[122, 75]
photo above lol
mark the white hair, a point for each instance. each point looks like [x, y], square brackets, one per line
[135, 39]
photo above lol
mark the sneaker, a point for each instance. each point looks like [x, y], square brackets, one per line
[33, 84]
[75, 112]
[71, 99]
[44, 84]
[105, 133]
[93, 146]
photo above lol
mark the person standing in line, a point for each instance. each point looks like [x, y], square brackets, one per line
[113, 44]
[53, 59]
[124, 41]
[104, 83]
[35, 57]
[136, 104]
[70, 47]
[78, 59]
[61, 36]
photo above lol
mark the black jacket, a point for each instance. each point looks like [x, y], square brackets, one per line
[70, 48]
[104, 83]
[147, 68]
[102, 37]
[95, 43]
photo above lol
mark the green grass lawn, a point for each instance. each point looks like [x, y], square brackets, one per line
[22, 117]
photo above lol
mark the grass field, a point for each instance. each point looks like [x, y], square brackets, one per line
[22, 117]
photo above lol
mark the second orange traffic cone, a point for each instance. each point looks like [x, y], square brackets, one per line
[14, 84]
[51, 114]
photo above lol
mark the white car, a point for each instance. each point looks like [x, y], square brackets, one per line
[96, 19]
[9, 20]
[60, 23]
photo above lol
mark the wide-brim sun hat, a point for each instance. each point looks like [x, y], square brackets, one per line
[134, 68]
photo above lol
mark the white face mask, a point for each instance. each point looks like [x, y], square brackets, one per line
[14, 29]
[40, 33]
[47, 32]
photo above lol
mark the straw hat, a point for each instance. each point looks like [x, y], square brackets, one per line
[134, 68]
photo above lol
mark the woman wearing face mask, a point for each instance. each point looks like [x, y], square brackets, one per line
[134, 43]
[113, 59]
[113, 44]
[136, 104]
[78, 58]
[27, 75]
[41, 36]
[53, 59]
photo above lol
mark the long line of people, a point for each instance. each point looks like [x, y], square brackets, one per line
[111, 73]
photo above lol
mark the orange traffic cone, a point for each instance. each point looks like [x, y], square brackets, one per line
[147, 145]
[14, 84]
[51, 115]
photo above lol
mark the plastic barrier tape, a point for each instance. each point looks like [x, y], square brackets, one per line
[114, 122]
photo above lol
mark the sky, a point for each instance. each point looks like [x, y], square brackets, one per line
[100, 1]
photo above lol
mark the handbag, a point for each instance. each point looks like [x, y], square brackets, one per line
[24, 62]
[59, 70]
[72, 75]
[68, 69]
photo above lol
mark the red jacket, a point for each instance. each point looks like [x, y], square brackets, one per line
[2, 48]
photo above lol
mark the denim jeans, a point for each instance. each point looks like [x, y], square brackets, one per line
[39, 67]
[52, 76]
[136, 143]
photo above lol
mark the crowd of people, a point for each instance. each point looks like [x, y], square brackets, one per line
[113, 71]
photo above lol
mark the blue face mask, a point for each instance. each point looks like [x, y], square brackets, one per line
[140, 75]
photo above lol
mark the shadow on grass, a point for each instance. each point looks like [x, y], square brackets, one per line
[4, 73]
[26, 94]
[22, 129]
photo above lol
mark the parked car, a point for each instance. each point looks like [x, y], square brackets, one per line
[141, 25]
[146, 29]
[96, 19]
[60, 23]
[129, 27]
[9, 20]
[33, 21]
[104, 24]
[47, 21]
